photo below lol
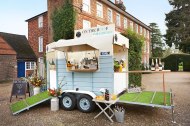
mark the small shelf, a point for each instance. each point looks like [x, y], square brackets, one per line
[83, 70]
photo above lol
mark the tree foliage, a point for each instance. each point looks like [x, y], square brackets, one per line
[156, 41]
[63, 22]
[135, 55]
[178, 23]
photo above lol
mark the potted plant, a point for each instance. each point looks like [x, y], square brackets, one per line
[116, 66]
[36, 82]
[54, 100]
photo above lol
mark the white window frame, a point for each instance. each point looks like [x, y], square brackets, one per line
[99, 9]
[145, 33]
[88, 24]
[137, 28]
[141, 30]
[125, 23]
[86, 5]
[145, 46]
[110, 17]
[131, 25]
[40, 22]
[118, 20]
[40, 44]
[29, 65]
[40, 60]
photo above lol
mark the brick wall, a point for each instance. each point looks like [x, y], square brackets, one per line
[8, 71]
[34, 32]
[81, 15]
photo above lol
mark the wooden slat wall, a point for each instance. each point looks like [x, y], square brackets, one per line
[103, 78]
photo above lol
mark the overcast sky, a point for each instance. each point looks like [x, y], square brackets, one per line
[13, 13]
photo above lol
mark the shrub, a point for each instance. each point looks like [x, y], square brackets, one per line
[135, 56]
[63, 22]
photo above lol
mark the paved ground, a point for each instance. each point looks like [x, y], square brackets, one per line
[135, 115]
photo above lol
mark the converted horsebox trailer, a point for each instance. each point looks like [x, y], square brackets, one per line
[84, 65]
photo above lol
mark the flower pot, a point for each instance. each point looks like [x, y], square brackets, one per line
[36, 90]
[54, 104]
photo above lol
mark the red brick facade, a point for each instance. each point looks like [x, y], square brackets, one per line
[34, 32]
[95, 20]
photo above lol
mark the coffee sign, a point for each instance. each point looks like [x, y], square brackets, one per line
[19, 88]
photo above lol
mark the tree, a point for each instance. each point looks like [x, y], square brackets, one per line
[63, 22]
[156, 40]
[178, 23]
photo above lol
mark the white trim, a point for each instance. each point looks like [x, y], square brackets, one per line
[118, 19]
[111, 20]
[101, 9]
[86, 3]
[40, 44]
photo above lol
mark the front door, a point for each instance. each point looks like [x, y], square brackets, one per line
[21, 69]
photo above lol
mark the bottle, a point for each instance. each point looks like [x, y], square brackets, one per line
[152, 65]
[156, 65]
[107, 95]
[160, 65]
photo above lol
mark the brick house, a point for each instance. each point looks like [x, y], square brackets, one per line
[92, 13]
[17, 58]
[38, 38]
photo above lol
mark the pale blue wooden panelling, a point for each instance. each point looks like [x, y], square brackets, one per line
[83, 84]
[102, 75]
[103, 78]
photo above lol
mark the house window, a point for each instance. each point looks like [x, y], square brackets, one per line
[40, 22]
[86, 6]
[145, 33]
[40, 44]
[140, 30]
[145, 47]
[131, 25]
[41, 60]
[110, 17]
[137, 28]
[29, 65]
[86, 24]
[118, 22]
[125, 23]
[99, 8]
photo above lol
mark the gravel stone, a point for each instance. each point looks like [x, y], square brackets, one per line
[135, 115]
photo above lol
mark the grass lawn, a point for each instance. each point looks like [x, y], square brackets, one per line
[22, 105]
[146, 97]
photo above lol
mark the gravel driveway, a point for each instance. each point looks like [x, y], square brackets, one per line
[134, 116]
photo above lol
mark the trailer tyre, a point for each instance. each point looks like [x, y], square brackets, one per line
[68, 101]
[85, 104]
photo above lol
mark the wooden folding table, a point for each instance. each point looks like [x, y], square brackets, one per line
[108, 106]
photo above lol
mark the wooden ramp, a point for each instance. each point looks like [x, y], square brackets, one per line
[29, 102]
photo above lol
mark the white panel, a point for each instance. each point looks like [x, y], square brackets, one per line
[53, 80]
[120, 82]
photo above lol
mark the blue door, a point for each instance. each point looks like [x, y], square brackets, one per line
[21, 69]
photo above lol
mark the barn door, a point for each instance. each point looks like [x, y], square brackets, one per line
[21, 69]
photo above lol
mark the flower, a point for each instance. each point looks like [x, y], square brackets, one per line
[36, 81]
[54, 92]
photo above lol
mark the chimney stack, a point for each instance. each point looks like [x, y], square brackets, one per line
[120, 4]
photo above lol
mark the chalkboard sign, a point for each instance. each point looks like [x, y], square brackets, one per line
[19, 88]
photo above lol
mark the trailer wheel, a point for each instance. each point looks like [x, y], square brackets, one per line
[85, 104]
[68, 101]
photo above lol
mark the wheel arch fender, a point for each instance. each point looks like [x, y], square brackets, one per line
[91, 94]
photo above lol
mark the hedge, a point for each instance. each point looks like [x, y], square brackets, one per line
[172, 62]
